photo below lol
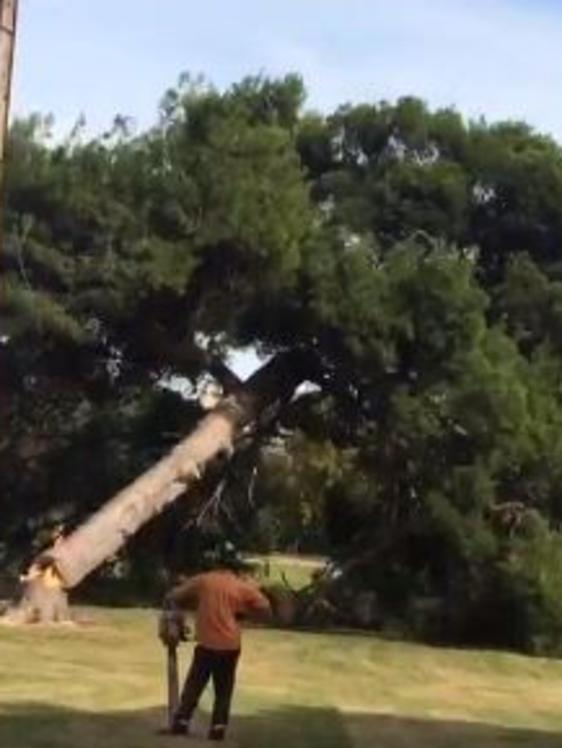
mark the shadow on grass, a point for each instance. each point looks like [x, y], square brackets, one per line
[40, 726]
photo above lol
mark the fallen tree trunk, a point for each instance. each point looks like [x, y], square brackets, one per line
[107, 531]
[73, 558]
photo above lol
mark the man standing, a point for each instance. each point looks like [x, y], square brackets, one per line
[221, 597]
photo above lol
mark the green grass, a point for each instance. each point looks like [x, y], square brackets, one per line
[103, 685]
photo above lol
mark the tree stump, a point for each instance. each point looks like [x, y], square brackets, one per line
[42, 599]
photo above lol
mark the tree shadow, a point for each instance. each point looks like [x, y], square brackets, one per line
[40, 726]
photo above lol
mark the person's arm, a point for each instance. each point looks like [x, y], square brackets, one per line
[184, 593]
[255, 602]
[172, 625]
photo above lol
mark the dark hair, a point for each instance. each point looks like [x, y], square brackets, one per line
[225, 556]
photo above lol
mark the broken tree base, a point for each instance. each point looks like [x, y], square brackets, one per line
[38, 603]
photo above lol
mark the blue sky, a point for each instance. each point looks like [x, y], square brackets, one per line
[499, 58]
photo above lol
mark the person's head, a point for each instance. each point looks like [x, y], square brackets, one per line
[224, 557]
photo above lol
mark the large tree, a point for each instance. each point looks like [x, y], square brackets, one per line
[387, 254]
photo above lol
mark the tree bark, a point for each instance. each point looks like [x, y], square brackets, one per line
[75, 557]
[109, 529]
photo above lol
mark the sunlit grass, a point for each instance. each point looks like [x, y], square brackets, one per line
[103, 684]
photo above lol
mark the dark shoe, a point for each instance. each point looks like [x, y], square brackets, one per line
[179, 727]
[217, 733]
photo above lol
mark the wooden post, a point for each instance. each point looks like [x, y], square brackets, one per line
[173, 683]
[172, 629]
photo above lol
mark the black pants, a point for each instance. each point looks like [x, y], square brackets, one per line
[207, 664]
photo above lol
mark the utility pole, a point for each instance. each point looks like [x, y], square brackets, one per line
[8, 24]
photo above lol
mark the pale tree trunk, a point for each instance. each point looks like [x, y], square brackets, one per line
[73, 558]
[107, 531]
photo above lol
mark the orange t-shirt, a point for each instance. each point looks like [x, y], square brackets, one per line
[220, 597]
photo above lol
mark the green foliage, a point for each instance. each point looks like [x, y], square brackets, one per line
[291, 490]
[515, 602]
[533, 574]
[392, 170]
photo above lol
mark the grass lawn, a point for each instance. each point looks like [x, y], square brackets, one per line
[103, 685]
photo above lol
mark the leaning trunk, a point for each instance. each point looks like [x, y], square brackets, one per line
[107, 531]
[73, 558]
